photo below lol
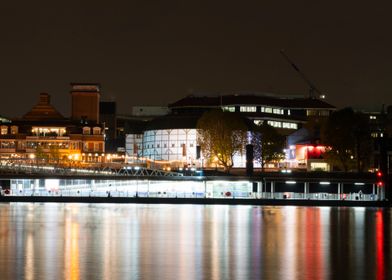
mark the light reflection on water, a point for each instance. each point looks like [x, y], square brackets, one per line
[109, 241]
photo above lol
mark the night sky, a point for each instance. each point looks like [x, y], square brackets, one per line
[155, 52]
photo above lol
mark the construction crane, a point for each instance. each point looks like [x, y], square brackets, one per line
[312, 88]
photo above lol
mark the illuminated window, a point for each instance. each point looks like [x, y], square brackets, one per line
[4, 130]
[268, 110]
[248, 109]
[310, 112]
[228, 109]
[96, 130]
[275, 123]
[86, 130]
[289, 125]
[258, 122]
[14, 129]
[288, 112]
[277, 111]
[7, 144]
[97, 147]
[372, 117]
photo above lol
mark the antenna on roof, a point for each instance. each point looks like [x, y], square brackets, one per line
[312, 88]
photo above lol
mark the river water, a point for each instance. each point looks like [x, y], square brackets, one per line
[130, 241]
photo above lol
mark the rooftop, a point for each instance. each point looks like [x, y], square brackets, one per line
[43, 110]
[251, 99]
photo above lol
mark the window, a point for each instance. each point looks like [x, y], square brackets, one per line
[7, 145]
[97, 147]
[191, 145]
[258, 122]
[14, 129]
[248, 109]
[86, 130]
[173, 145]
[96, 130]
[289, 125]
[275, 123]
[324, 113]
[288, 112]
[277, 111]
[268, 110]
[164, 145]
[4, 130]
[372, 117]
[317, 112]
[158, 146]
[228, 109]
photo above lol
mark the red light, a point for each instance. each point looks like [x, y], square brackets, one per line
[380, 184]
[379, 173]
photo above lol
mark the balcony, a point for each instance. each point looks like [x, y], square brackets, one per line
[47, 137]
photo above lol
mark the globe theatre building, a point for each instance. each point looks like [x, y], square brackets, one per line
[172, 139]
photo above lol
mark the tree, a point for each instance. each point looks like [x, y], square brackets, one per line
[54, 152]
[267, 144]
[40, 153]
[221, 135]
[347, 134]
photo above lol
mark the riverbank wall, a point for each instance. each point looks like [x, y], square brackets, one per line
[206, 201]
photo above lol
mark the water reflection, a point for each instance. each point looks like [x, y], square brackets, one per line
[107, 241]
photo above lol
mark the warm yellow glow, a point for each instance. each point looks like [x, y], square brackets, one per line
[32, 156]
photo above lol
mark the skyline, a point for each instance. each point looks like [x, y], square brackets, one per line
[156, 53]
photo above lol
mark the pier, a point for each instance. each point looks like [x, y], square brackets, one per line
[136, 184]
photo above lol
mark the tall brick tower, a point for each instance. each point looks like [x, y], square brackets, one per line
[85, 101]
